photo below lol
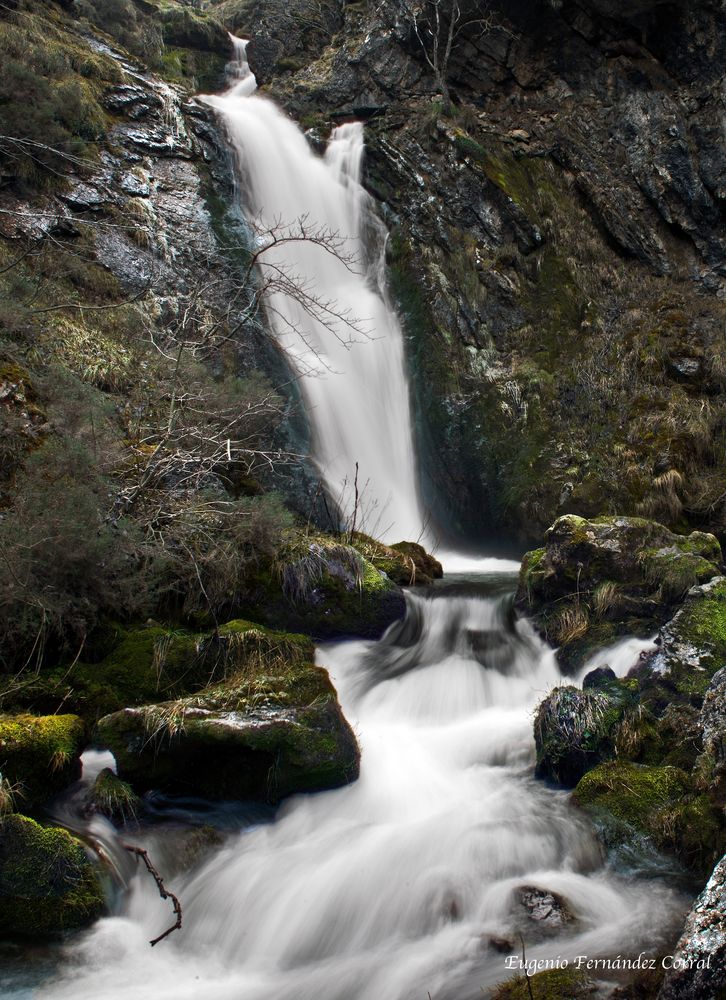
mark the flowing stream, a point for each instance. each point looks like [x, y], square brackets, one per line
[407, 882]
[411, 882]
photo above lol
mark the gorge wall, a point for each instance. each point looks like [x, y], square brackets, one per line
[556, 244]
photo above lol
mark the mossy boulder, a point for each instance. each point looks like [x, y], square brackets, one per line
[272, 729]
[551, 984]
[47, 882]
[574, 731]
[597, 579]
[40, 755]
[690, 649]
[406, 563]
[660, 802]
[150, 663]
[327, 589]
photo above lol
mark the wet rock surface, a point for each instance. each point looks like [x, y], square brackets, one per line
[699, 966]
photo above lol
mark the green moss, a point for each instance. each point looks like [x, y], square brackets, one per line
[703, 622]
[320, 586]
[114, 798]
[40, 754]
[552, 984]
[658, 802]
[47, 883]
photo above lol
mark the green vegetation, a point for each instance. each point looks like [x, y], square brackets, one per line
[659, 802]
[47, 883]
[552, 984]
[114, 798]
[39, 756]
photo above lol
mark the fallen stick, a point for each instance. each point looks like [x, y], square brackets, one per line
[163, 891]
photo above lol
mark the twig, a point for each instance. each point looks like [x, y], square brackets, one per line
[163, 891]
[526, 971]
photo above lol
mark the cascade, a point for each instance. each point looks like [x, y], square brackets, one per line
[338, 330]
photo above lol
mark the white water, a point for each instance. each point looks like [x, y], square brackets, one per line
[394, 886]
[341, 336]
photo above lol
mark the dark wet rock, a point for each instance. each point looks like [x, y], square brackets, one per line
[86, 198]
[699, 963]
[574, 731]
[548, 910]
[132, 100]
[47, 882]
[597, 579]
[263, 737]
[598, 678]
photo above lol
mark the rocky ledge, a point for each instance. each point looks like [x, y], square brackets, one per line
[594, 580]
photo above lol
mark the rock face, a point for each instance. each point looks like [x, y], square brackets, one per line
[40, 755]
[562, 349]
[596, 579]
[47, 883]
[272, 728]
[699, 964]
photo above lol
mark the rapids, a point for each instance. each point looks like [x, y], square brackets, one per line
[394, 887]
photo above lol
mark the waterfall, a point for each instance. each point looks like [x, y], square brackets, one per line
[327, 306]
[408, 883]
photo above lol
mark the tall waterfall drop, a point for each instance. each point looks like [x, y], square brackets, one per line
[342, 338]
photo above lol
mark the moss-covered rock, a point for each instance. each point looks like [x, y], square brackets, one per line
[597, 579]
[114, 798]
[406, 563]
[551, 984]
[151, 663]
[328, 590]
[659, 802]
[47, 882]
[575, 730]
[272, 729]
[40, 755]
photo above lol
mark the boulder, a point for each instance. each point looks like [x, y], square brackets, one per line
[574, 731]
[406, 563]
[328, 590]
[548, 910]
[690, 649]
[273, 729]
[631, 800]
[698, 966]
[47, 882]
[596, 579]
[599, 677]
[40, 755]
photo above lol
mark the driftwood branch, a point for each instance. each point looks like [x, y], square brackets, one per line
[163, 891]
